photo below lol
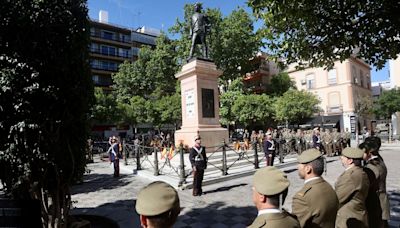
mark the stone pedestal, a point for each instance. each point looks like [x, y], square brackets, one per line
[200, 104]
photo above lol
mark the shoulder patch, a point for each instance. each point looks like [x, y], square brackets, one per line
[304, 191]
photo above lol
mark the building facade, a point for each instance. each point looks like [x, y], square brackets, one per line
[340, 91]
[259, 80]
[111, 45]
[394, 73]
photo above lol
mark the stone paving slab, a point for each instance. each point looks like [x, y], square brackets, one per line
[225, 204]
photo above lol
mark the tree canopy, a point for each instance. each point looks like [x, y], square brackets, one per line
[45, 94]
[295, 106]
[322, 32]
[388, 103]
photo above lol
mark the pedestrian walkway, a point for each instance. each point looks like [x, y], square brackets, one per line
[225, 204]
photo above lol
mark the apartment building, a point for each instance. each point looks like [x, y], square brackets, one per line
[111, 45]
[339, 89]
[259, 79]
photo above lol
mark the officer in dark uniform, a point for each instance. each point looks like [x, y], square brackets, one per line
[316, 204]
[269, 149]
[270, 188]
[158, 205]
[198, 159]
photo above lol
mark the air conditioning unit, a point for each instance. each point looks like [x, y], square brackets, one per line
[303, 82]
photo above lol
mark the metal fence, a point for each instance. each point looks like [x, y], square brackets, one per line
[171, 161]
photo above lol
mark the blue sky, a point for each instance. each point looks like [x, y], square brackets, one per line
[162, 14]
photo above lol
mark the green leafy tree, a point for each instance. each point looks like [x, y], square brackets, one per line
[228, 98]
[105, 109]
[169, 109]
[296, 106]
[132, 78]
[253, 108]
[281, 83]
[45, 94]
[133, 111]
[321, 32]
[388, 103]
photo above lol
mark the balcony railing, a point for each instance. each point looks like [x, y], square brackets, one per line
[113, 38]
[334, 109]
[104, 67]
[114, 54]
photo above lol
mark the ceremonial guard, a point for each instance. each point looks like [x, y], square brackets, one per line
[316, 139]
[270, 187]
[114, 154]
[198, 159]
[269, 150]
[352, 189]
[316, 204]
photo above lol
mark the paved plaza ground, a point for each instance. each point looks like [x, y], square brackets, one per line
[226, 204]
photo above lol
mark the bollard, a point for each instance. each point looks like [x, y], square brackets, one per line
[224, 167]
[156, 171]
[138, 166]
[182, 178]
[256, 166]
[125, 152]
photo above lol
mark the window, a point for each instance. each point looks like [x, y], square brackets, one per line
[332, 78]
[108, 50]
[361, 78]
[368, 82]
[354, 75]
[108, 35]
[310, 78]
[334, 102]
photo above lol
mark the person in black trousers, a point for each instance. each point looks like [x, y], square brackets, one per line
[269, 149]
[198, 159]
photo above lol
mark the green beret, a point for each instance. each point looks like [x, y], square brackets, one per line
[270, 181]
[156, 198]
[308, 156]
[351, 152]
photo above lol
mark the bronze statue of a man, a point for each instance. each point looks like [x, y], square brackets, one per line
[199, 27]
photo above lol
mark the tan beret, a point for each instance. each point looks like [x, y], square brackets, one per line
[156, 198]
[309, 156]
[351, 152]
[270, 181]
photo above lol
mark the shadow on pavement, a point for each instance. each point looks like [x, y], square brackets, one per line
[394, 198]
[122, 212]
[216, 215]
[225, 188]
[95, 182]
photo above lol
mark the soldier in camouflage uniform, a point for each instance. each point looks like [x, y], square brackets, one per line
[328, 142]
[337, 147]
[347, 138]
[300, 142]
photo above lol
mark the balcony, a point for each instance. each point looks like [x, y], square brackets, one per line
[105, 67]
[108, 53]
[334, 109]
[109, 37]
